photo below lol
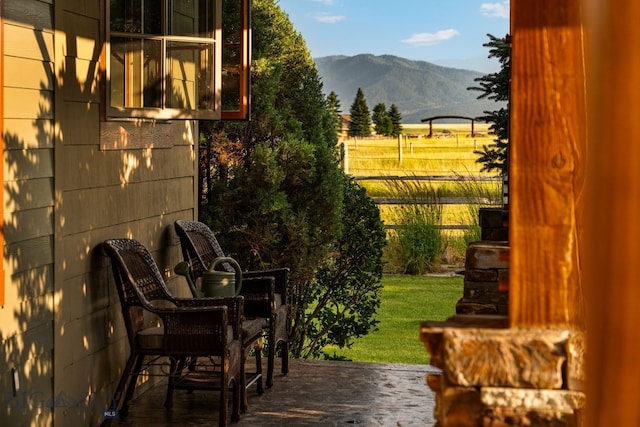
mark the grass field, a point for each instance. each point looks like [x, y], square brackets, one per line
[446, 153]
[406, 301]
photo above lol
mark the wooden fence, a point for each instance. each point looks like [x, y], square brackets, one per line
[453, 200]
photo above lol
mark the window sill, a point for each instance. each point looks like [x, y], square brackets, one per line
[133, 134]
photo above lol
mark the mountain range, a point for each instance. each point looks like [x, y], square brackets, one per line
[419, 89]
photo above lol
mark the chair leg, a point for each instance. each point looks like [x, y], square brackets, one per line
[258, 351]
[124, 411]
[224, 391]
[115, 400]
[285, 357]
[235, 411]
[271, 354]
[175, 368]
[243, 381]
[257, 348]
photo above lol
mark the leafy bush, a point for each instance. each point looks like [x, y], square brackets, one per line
[345, 296]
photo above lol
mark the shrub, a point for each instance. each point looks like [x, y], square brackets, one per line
[416, 245]
[345, 296]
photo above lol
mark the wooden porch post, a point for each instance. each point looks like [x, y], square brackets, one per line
[612, 267]
[548, 119]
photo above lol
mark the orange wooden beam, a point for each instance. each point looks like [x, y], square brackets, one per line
[2, 291]
[548, 118]
[612, 266]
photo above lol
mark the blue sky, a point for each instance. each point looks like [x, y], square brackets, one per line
[446, 32]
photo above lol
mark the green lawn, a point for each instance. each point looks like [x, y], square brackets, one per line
[406, 301]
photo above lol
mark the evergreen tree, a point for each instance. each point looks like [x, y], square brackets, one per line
[360, 120]
[272, 188]
[381, 120]
[396, 120]
[334, 106]
[494, 157]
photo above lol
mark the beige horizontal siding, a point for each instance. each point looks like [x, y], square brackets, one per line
[28, 133]
[27, 194]
[28, 43]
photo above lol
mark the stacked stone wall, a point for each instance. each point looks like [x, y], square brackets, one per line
[505, 377]
[494, 224]
[486, 279]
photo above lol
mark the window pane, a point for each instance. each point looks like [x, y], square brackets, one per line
[231, 21]
[231, 63]
[152, 17]
[136, 76]
[117, 71]
[136, 16]
[126, 16]
[190, 76]
[152, 73]
[192, 18]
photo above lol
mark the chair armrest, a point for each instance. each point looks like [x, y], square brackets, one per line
[234, 305]
[281, 276]
[194, 330]
[259, 296]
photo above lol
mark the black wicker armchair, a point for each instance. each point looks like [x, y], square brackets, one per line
[200, 247]
[190, 333]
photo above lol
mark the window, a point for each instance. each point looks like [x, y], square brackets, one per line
[166, 59]
[236, 52]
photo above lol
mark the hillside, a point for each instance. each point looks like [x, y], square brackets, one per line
[420, 89]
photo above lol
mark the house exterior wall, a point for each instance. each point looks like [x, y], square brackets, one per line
[72, 180]
[26, 319]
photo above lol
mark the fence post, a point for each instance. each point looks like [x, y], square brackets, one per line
[400, 148]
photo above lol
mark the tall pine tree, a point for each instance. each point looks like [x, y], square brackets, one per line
[334, 107]
[396, 120]
[360, 120]
[494, 157]
[381, 120]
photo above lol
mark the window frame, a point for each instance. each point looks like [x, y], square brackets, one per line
[244, 111]
[164, 112]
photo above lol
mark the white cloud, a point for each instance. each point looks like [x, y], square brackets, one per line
[496, 10]
[426, 39]
[326, 18]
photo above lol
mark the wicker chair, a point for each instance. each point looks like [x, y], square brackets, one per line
[192, 332]
[200, 247]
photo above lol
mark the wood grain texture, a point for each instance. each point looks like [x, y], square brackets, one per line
[547, 153]
[612, 267]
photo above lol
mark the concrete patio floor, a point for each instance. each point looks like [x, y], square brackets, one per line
[314, 393]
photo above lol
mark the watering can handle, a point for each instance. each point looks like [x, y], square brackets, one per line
[235, 266]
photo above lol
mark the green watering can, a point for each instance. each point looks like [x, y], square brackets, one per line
[217, 283]
[214, 283]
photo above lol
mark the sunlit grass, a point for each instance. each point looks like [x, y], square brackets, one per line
[421, 156]
[406, 302]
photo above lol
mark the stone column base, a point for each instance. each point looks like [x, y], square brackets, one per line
[499, 377]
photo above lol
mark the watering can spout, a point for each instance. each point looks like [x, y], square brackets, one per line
[222, 283]
[184, 269]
